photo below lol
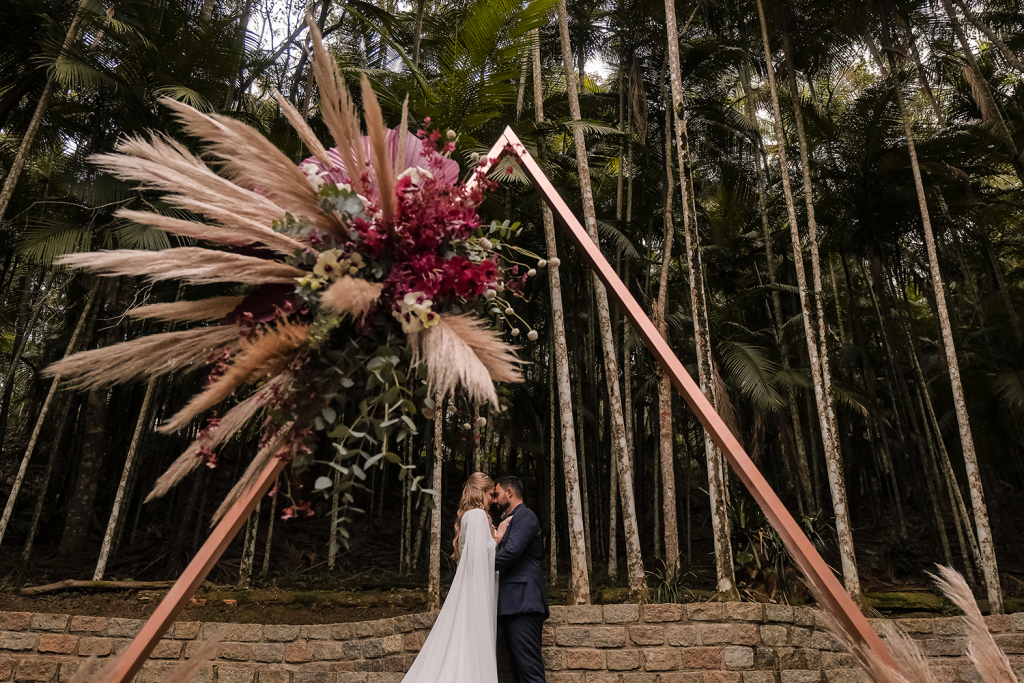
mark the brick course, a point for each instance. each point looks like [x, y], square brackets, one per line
[696, 643]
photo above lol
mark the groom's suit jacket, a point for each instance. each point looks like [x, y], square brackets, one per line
[521, 588]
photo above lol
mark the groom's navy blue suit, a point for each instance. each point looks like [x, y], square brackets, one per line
[522, 596]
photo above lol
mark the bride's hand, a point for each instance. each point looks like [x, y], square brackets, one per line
[500, 532]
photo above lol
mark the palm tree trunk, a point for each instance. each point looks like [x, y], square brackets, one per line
[986, 546]
[802, 469]
[726, 580]
[417, 33]
[44, 485]
[1010, 58]
[80, 507]
[265, 567]
[940, 454]
[434, 580]
[922, 76]
[21, 157]
[20, 343]
[833, 452]
[418, 543]
[637, 579]
[41, 419]
[108, 536]
[988, 102]
[579, 581]
[553, 479]
[665, 435]
[249, 548]
[833, 458]
[581, 465]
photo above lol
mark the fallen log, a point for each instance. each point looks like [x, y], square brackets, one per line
[93, 586]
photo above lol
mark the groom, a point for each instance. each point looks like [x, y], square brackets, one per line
[522, 596]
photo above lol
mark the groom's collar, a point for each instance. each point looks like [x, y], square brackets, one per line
[513, 509]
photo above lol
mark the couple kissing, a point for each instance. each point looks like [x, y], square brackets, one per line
[498, 580]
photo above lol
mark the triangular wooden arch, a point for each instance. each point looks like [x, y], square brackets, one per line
[840, 605]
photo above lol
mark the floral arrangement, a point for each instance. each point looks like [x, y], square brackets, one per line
[371, 276]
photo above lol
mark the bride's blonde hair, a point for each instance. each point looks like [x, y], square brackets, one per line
[476, 494]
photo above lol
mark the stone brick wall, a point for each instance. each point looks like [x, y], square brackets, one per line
[695, 643]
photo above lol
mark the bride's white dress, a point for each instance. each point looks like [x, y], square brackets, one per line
[461, 644]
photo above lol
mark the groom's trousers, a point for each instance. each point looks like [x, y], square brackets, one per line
[522, 638]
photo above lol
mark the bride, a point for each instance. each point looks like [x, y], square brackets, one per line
[461, 644]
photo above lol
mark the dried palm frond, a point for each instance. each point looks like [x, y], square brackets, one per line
[353, 296]
[143, 358]
[383, 171]
[191, 264]
[459, 350]
[980, 97]
[210, 309]
[214, 436]
[638, 98]
[255, 163]
[991, 662]
[273, 449]
[337, 109]
[301, 127]
[266, 355]
[189, 671]
[723, 403]
[239, 233]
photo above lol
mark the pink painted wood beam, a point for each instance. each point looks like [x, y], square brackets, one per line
[195, 573]
[814, 567]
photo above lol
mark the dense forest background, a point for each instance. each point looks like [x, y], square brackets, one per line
[819, 203]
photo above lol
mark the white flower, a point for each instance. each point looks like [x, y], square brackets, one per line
[415, 174]
[467, 426]
[481, 422]
[509, 311]
[485, 244]
[531, 272]
[555, 261]
[314, 175]
[515, 332]
[474, 157]
[532, 335]
[541, 263]
[490, 294]
[414, 313]
[451, 134]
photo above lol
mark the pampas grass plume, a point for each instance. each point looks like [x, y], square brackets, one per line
[142, 358]
[351, 295]
[267, 354]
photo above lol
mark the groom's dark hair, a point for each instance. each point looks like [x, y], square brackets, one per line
[511, 481]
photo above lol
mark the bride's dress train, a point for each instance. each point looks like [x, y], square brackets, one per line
[461, 644]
